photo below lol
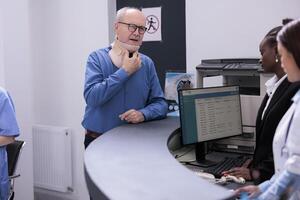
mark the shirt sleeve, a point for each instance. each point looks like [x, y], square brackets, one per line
[100, 84]
[8, 122]
[293, 162]
[156, 107]
[265, 185]
[279, 186]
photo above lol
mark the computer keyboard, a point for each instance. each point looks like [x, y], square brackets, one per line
[226, 164]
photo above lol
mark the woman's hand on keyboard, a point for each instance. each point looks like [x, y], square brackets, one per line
[238, 172]
[252, 190]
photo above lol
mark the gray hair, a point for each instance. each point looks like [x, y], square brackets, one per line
[121, 13]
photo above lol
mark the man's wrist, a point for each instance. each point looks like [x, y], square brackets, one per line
[128, 72]
[143, 113]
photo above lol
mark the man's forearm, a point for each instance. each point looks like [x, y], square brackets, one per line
[97, 93]
[155, 110]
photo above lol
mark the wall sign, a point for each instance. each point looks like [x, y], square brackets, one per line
[153, 24]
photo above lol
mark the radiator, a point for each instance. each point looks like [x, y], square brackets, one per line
[52, 161]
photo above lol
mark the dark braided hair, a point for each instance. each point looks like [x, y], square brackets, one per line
[289, 37]
[272, 34]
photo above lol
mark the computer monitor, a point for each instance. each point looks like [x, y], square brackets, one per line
[208, 114]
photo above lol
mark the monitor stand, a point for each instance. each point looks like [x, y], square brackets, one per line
[200, 152]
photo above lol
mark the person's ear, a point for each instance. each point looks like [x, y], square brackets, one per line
[277, 58]
[275, 49]
[116, 26]
[276, 53]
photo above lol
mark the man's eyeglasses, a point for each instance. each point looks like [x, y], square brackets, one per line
[132, 28]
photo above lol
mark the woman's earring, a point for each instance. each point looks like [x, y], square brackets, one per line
[276, 59]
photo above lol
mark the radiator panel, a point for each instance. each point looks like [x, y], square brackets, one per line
[52, 158]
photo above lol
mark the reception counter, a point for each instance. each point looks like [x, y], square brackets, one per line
[133, 162]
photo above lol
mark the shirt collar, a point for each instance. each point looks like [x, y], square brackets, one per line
[273, 83]
[296, 98]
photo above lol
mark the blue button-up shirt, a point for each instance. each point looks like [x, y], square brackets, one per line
[8, 127]
[109, 91]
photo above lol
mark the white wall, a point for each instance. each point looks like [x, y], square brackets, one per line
[63, 35]
[1, 48]
[15, 65]
[112, 6]
[43, 50]
[231, 28]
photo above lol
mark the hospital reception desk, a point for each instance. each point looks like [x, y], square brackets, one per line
[133, 162]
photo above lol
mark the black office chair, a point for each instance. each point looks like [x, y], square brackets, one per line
[13, 154]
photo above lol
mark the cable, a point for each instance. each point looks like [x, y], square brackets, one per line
[178, 156]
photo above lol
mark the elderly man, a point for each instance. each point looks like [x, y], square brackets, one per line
[121, 84]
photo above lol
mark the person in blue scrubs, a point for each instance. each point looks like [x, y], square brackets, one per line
[8, 131]
[121, 84]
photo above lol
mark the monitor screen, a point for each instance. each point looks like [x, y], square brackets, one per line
[209, 113]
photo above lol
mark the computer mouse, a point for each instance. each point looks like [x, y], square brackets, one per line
[228, 178]
[235, 179]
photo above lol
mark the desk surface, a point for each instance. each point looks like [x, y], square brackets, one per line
[133, 162]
